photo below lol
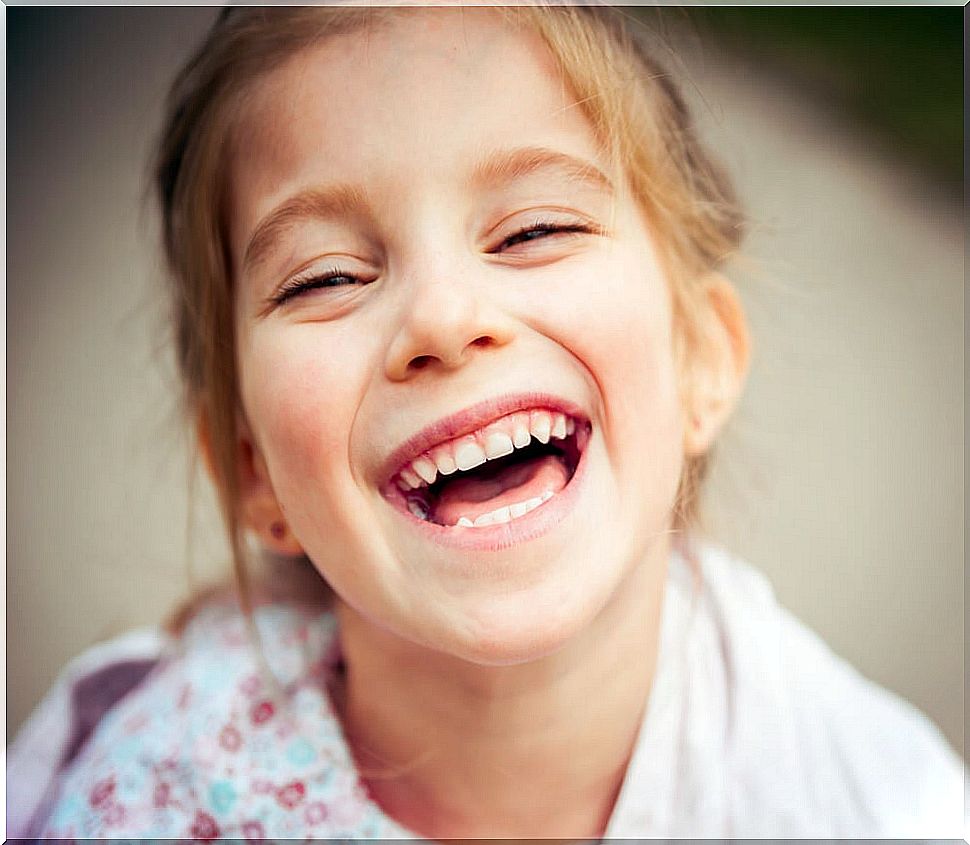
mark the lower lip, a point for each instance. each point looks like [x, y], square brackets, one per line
[495, 538]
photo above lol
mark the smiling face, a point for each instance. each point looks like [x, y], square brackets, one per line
[430, 255]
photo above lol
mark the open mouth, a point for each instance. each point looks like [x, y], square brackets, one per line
[494, 475]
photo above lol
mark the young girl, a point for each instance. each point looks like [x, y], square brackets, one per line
[449, 312]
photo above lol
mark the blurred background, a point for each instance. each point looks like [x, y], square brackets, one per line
[841, 477]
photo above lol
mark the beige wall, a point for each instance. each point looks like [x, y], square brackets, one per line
[842, 477]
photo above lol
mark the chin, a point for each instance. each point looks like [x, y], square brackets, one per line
[509, 630]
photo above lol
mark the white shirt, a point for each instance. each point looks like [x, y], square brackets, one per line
[753, 729]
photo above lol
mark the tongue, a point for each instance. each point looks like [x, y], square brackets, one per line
[477, 492]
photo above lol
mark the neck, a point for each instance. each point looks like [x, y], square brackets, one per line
[452, 749]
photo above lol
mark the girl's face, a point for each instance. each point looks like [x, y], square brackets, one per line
[431, 258]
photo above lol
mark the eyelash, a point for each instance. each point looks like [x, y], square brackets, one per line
[542, 227]
[299, 285]
[539, 228]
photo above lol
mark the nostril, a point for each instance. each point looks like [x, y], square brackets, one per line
[419, 362]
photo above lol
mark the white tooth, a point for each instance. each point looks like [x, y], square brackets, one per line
[501, 514]
[411, 477]
[444, 461]
[425, 468]
[559, 426]
[495, 517]
[541, 425]
[521, 436]
[570, 426]
[403, 485]
[498, 444]
[469, 456]
[547, 495]
[417, 508]
[504, 514]
[532, 504]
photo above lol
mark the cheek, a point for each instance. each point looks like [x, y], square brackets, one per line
[637, 365]
[644, 429]
[616, 321]
[300, 402]
[617, 326]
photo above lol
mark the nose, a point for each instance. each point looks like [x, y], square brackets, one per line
[442, 324]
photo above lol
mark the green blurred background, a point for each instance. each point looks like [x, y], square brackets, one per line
[898, 72]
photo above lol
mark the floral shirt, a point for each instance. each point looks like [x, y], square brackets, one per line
[753, 728]
[215, 744]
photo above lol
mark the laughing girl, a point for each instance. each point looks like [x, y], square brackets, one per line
[450, 312]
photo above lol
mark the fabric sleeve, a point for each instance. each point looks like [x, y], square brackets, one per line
[874, 758]
[835, 754]
[59, 726]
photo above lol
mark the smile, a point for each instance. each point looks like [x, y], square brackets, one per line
[498, 473]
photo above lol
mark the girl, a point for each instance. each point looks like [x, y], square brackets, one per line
[450, 317]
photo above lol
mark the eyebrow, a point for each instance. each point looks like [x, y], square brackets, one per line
[498, 168]
[508, 165]
[311, 204]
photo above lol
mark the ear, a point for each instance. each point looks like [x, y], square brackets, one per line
[260, 510]
[717, 365]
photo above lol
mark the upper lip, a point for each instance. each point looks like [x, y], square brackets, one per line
[471, 419]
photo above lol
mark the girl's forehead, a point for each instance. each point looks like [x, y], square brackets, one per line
[419, 91]
[429, 63]
[381, 52]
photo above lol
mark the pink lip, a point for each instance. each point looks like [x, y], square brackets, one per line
[471, 419]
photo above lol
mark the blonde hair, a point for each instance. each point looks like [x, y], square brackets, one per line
[632, 104]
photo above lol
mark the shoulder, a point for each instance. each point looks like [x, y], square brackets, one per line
[866, 761]
[230, 732]
[87, 688]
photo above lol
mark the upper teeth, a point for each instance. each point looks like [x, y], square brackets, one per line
[496, 440]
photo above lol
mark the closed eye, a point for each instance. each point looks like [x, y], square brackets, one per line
[543, 230]
[313, 281]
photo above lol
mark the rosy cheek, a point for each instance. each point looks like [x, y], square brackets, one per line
[301, 406]
[626, 343]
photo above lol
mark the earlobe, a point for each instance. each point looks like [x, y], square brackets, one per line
[718, 366]
[260, 510]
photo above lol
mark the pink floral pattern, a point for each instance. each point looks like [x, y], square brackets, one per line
[207, 748]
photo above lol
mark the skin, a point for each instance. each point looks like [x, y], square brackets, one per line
[494, 685]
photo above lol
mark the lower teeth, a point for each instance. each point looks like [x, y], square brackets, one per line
[419, 508]
[505, 514]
